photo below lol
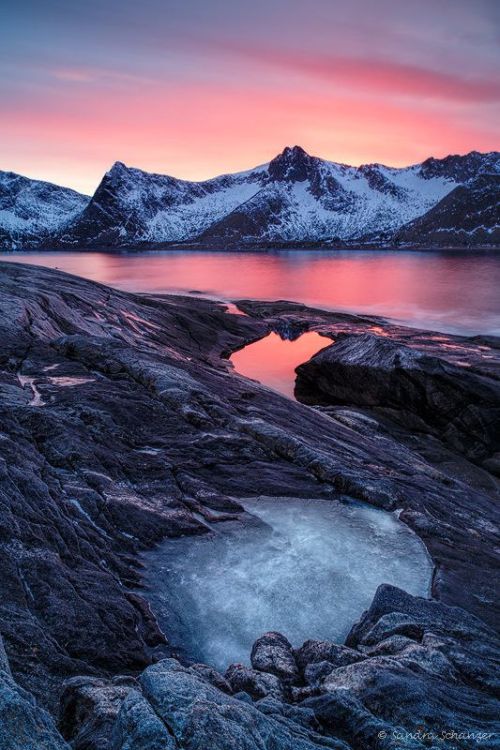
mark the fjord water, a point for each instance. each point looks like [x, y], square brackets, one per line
[451, 292]
[309, 573]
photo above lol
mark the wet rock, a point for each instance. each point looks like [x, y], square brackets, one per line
[245, 697]
[23, 724]
[312, 652]
[315, 673]
[160, 429]
[200, 716]
[273, 653]
[384, 690]
[343, 713]
[255, 683]
[139, 728]
[419, 390]
[438, 677]
[89, 709]
[286, 712]
[392, 691]
[212, 676]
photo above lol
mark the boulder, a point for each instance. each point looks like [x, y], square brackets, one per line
[212, 676]
[416, 389]
[313, 651]
[139, 728]
[273, 653]
[428, 671]
[89, 708]
[257, 684]
[200, 716]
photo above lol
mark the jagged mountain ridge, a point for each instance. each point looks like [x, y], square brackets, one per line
[131, 206]
[32, 211]
[308, 199]
[469, 215]
[295, 198]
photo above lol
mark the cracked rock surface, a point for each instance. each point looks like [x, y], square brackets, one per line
[413, 668]
[122, 423]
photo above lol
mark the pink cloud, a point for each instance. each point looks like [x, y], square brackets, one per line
[198, 130]
[373, 76]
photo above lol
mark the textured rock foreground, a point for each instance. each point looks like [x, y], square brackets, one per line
[418, 390]
[121, 424]
[413, 669]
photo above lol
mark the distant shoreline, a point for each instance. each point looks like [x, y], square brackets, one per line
[250, 248]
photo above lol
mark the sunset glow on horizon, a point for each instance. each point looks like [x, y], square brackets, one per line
[195, 89]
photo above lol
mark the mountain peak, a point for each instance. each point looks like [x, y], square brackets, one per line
[293, 164]
[297, 151]
[118, 168]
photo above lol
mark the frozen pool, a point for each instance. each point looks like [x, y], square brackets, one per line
[311, 576]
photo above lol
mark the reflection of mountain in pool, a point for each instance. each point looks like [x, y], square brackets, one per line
[272, 360]
[312, 577]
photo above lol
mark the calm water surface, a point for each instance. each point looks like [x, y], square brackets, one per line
[273, 360]
[456, 293]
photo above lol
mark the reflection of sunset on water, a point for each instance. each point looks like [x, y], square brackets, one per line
[273, 360]
[453, 293]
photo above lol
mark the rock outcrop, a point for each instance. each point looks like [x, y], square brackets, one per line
[23, 724]
[122, 423]
[415, 674]
[273, 653]
[420, 391]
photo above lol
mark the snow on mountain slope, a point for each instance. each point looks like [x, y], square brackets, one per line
[135, 206]
[31, 210]
[296, 198]
[468, 216]
[308, 199]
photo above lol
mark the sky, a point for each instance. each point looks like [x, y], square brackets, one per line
[196, 88]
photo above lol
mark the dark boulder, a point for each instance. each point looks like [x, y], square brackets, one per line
[312, 652]
[212, 676]
[89, 709]
[200, 716]
[273, 653]
[257, 684]
[422, 392]
[139, 728]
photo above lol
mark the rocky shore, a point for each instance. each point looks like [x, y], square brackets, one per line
[122, 423]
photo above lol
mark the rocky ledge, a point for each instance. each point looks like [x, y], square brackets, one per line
[414, 674]
[122, 423]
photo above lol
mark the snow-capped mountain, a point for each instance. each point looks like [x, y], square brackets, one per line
[296, 198]
[468, 216]
[310, 200]
[32, 211]
[307, 199]
[131, 206]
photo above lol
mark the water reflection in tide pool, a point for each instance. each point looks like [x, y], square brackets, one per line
[272, 360]
[455, 293]
[310, 575]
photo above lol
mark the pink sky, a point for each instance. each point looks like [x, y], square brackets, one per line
[194, 93]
